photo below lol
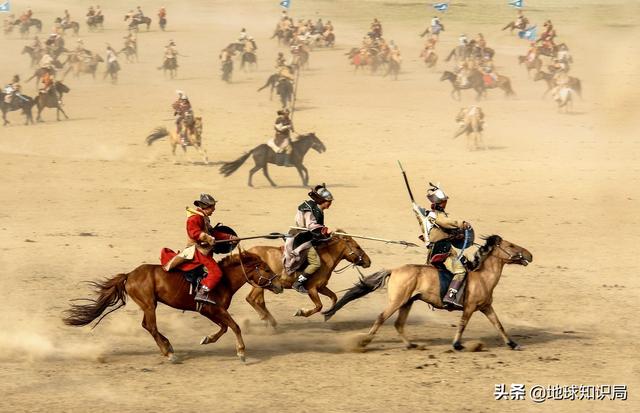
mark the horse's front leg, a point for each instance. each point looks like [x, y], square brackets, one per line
[493, 317]
[63, 112]
[313, 294]
[265, 171]
[466, 315]
[203, 153]
[224, 319]
[302, 175]
[327, 292]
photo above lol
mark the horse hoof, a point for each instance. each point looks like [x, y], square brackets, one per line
[457, 346]
[514, 345]
[205, 340]
[298, 313]
[172, 358]
[242, 358]
[411, 346]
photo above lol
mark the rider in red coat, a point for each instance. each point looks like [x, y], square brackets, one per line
[199, 233]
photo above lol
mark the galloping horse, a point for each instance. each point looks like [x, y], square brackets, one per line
[80, 65]
[535, 64]
[24, 103]
[133, 25]
[264, 155]
[95, 22]
[413, 282]
[331, 253]
[75, 26]
[520, 26]
[574, 82]
[170, 64]
[193, 127]
[112, 71]
[25, 26]
[48, 100]
[35, 56]
[470, 120]
[149, 284]
[284, 89]
[476, 82]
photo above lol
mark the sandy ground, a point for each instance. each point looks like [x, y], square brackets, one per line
[86, 198]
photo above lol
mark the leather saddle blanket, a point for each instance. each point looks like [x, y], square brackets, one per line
[445, 279]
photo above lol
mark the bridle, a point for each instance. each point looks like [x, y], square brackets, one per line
[359, 260]
[512, 257]
[269, 281]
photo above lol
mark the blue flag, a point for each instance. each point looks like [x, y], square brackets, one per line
[517, 3]
[441, 6]
[5, 7]
[285, 3]
[529, 34]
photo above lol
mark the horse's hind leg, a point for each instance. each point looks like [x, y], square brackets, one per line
[148, 305]
[394, 304]
[493, 317]
[401, 321]
[63, 112]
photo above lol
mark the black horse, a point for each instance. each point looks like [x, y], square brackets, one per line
[227, 70]
[95, 22]
[48, 100]
[22, 102]
[133, 25]
[24, 26]
[284, 89]
[264, 155]
[248, 58]
[474, 82]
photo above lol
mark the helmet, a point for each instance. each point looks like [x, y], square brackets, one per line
[320, 193]
[435, 194]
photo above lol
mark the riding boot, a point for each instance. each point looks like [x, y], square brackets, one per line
[298, 285]
[451, 298]
[202, 296]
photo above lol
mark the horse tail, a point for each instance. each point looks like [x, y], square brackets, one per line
[228, 168]
[158, 133]
[111, 292]
[363, 287]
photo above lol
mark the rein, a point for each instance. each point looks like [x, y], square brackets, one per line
[246, 277]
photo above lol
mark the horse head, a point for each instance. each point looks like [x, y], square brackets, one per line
[61, 87]
[316, 143]
[506, 251]
[258, 273]
[353, 252]
[447, 75]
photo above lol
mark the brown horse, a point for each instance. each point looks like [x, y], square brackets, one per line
[574, 83]
[79, 65]
[413, 282]
[194, 137]
[535, 64]
[477, 83]
[337, 249]
[149, 284]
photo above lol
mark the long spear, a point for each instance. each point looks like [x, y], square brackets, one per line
[273, 235]
[295, 91]
[406, 182]
[387, 241]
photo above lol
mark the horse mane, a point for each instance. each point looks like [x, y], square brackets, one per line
[484, 251]
[234, 259]
[304, 135]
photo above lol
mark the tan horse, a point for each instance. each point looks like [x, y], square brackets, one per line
[471, 121]
[338, 249]
[194, 137]
[79, 65]
[421, 282]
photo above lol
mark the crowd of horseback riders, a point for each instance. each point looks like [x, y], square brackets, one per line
[304, 32]
[375, 52]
